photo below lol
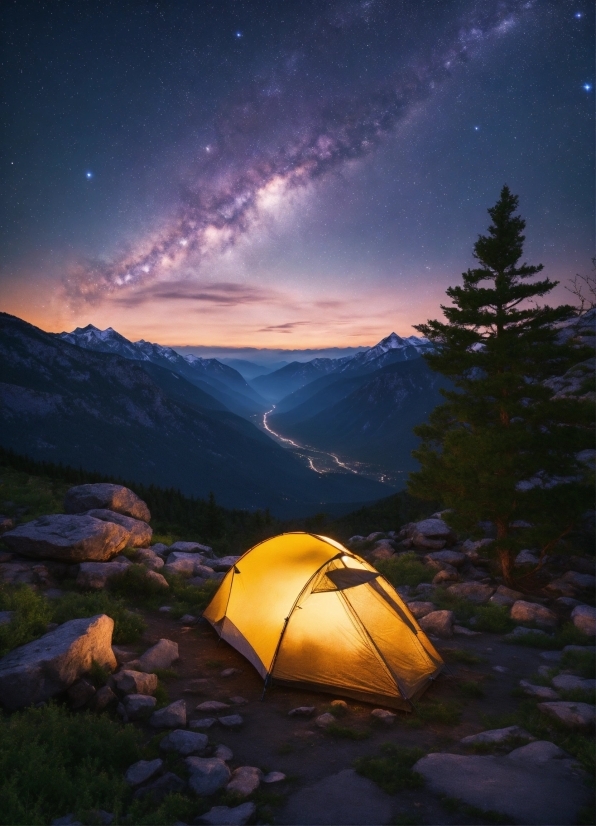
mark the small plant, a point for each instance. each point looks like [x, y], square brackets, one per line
[435, 712]
[175, 808]
[349, 733]
[31, 615]
[460, 655]
[582, 662]
[128, 626]
[161, 695]
[135, 584]
[392, 771]
[471, 689]
[98, 675]
[493, 619]
[405, 569]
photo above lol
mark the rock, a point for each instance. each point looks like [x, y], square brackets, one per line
[66, 820]
[431, 528]
[471, 547]
[205, 723]
[302, 711]
[104, 495]
[344, 798]
[168, 783]
[232, 721]
[540, 751]
[496, 736]
[184, 742]
[171, 716]
[584, 618]
[157, 579]
[135, 682]
[139, 532]
[226, 816]
[567, 602]
[142, 771]
[6, 617]
[425, 588]
[462, 631]
[191, 548]
[526, 557]
[165, 609]
[245, 780]
[80, 693]
[212, 705]
[123, 655]
[375, 536]
[559, 586]
[6, 524]
[573, 715]
[439, 623]
[148, 558]
[500, 668]
[476, 592]
[224, 753]
[95, 575]
[520, 631]
[188, 620]
[274, 777]
[568, 682]
[325, 720]
[102, 698]
[580, 581]
[224, 563]
[383, 716]
[421, 609]
[524, 791]
[138, 706]
[339, 705]
[522, 611]
[453, 558]
[378, 554]
[238, 701]
[41, 669]
[68, 538]
[505, 596]
[160, 549]
[588, 649]
[447, 574]
[550, 656]
[541, 692]
[230, 672]
[181, 567]
[161, 655]
[207, 774]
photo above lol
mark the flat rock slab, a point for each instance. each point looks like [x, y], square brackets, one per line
[35, 672]
[104, 495]
[547, 793]
[496, 736]
[226, 816]
[140, 532]
[477, 592]
[343, 799]
[573, 715]
[68, 538]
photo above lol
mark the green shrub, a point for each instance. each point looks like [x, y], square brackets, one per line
[189, 599]
[175, 808]
[405, 569]
[349, 733]
[32, 614]
[493, 619]
[53, 762]
[134, 584]
[471, 689]
[393, 770]
[463, 609]
[460, 655]
[128, 627]
[433, 711]
[582, 662]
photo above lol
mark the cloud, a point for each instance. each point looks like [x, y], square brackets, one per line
[282, 328]
[222, 294]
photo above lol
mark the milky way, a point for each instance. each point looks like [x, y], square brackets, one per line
[271, 142]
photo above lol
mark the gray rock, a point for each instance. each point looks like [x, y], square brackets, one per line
[496, 736]
[142, 771]
[524, 791]
[526, 557]
[477, 592]
[541, 692]
[102, 698]
[238, 701]
[540, 751]
[168, 783]
[245, 780]
[212, 705]
[447, 574]
[302, 711]
[104, 495]
[226, 816]
[135, 682]
[568, 682]
[232, 721]
[567, 602]
[439, 623]
[95, 575]
[224, 753]
[521, 631]
[205, 723]
[80, 693]
[383, 716]
[522, 611]
[184, 742]
[157, 579]
[550, 656]
[67, 538]
[161, 655]
[573, 715]
[224, 563]
[505, 596]
[431, 528]
[454, 558]
[191, 548]
[148, 558]
[345, 798]
[138, 706]
[273, 777]
[421, 609]
[585, 582]
[139, 532]
[325, 720]
[462, 631]
[207, 774]
[171, 716]
[584, 618]
[160, 549]
[35, 672]
[230, 672]
[424, 589]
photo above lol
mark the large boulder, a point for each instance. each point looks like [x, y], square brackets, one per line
[572, 715]
[446, 557]
[140, 532]
[522, 611]
[160, 655]
[584, 618]
[95, 575]
[105, 495]
[431, 534]
[207, 774]
[67, 538]
[439, 623]
[45, 667]
[474, 591]
[135, 682]
[245, 780]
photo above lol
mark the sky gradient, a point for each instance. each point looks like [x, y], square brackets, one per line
[284, 175]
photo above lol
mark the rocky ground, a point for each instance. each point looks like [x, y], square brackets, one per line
[503, 735]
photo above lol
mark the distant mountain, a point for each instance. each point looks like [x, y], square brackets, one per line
[249, 369]
[213, 377]
[392, 349]
[367, 418]
[65, 403]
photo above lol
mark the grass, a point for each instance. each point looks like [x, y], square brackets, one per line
[32, 614]
[455, 806]
[582, 662]
[471, 689]
[128, 626]
[53, 762]
[434, 712]
[405, 569]
[568, 634]
[176, 808]
[347, 732]
[392, 770]
[492, 619]
[460, 655]
[39, 494]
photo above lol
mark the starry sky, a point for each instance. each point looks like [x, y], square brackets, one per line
[283, 174]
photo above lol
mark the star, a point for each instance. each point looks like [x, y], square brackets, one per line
[88, 175]
[238, 34]
[578, 15]
[476, 128]
[587, 87]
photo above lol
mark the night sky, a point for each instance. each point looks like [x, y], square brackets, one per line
[283, 174]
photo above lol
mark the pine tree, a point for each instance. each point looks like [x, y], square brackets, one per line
[502, 448]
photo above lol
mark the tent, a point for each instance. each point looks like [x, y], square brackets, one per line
[308, 613]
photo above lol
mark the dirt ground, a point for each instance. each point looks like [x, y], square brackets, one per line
[273, 741]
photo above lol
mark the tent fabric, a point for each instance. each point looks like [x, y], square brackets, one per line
[307, 612]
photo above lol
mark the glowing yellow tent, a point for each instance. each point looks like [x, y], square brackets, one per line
[308, 613]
